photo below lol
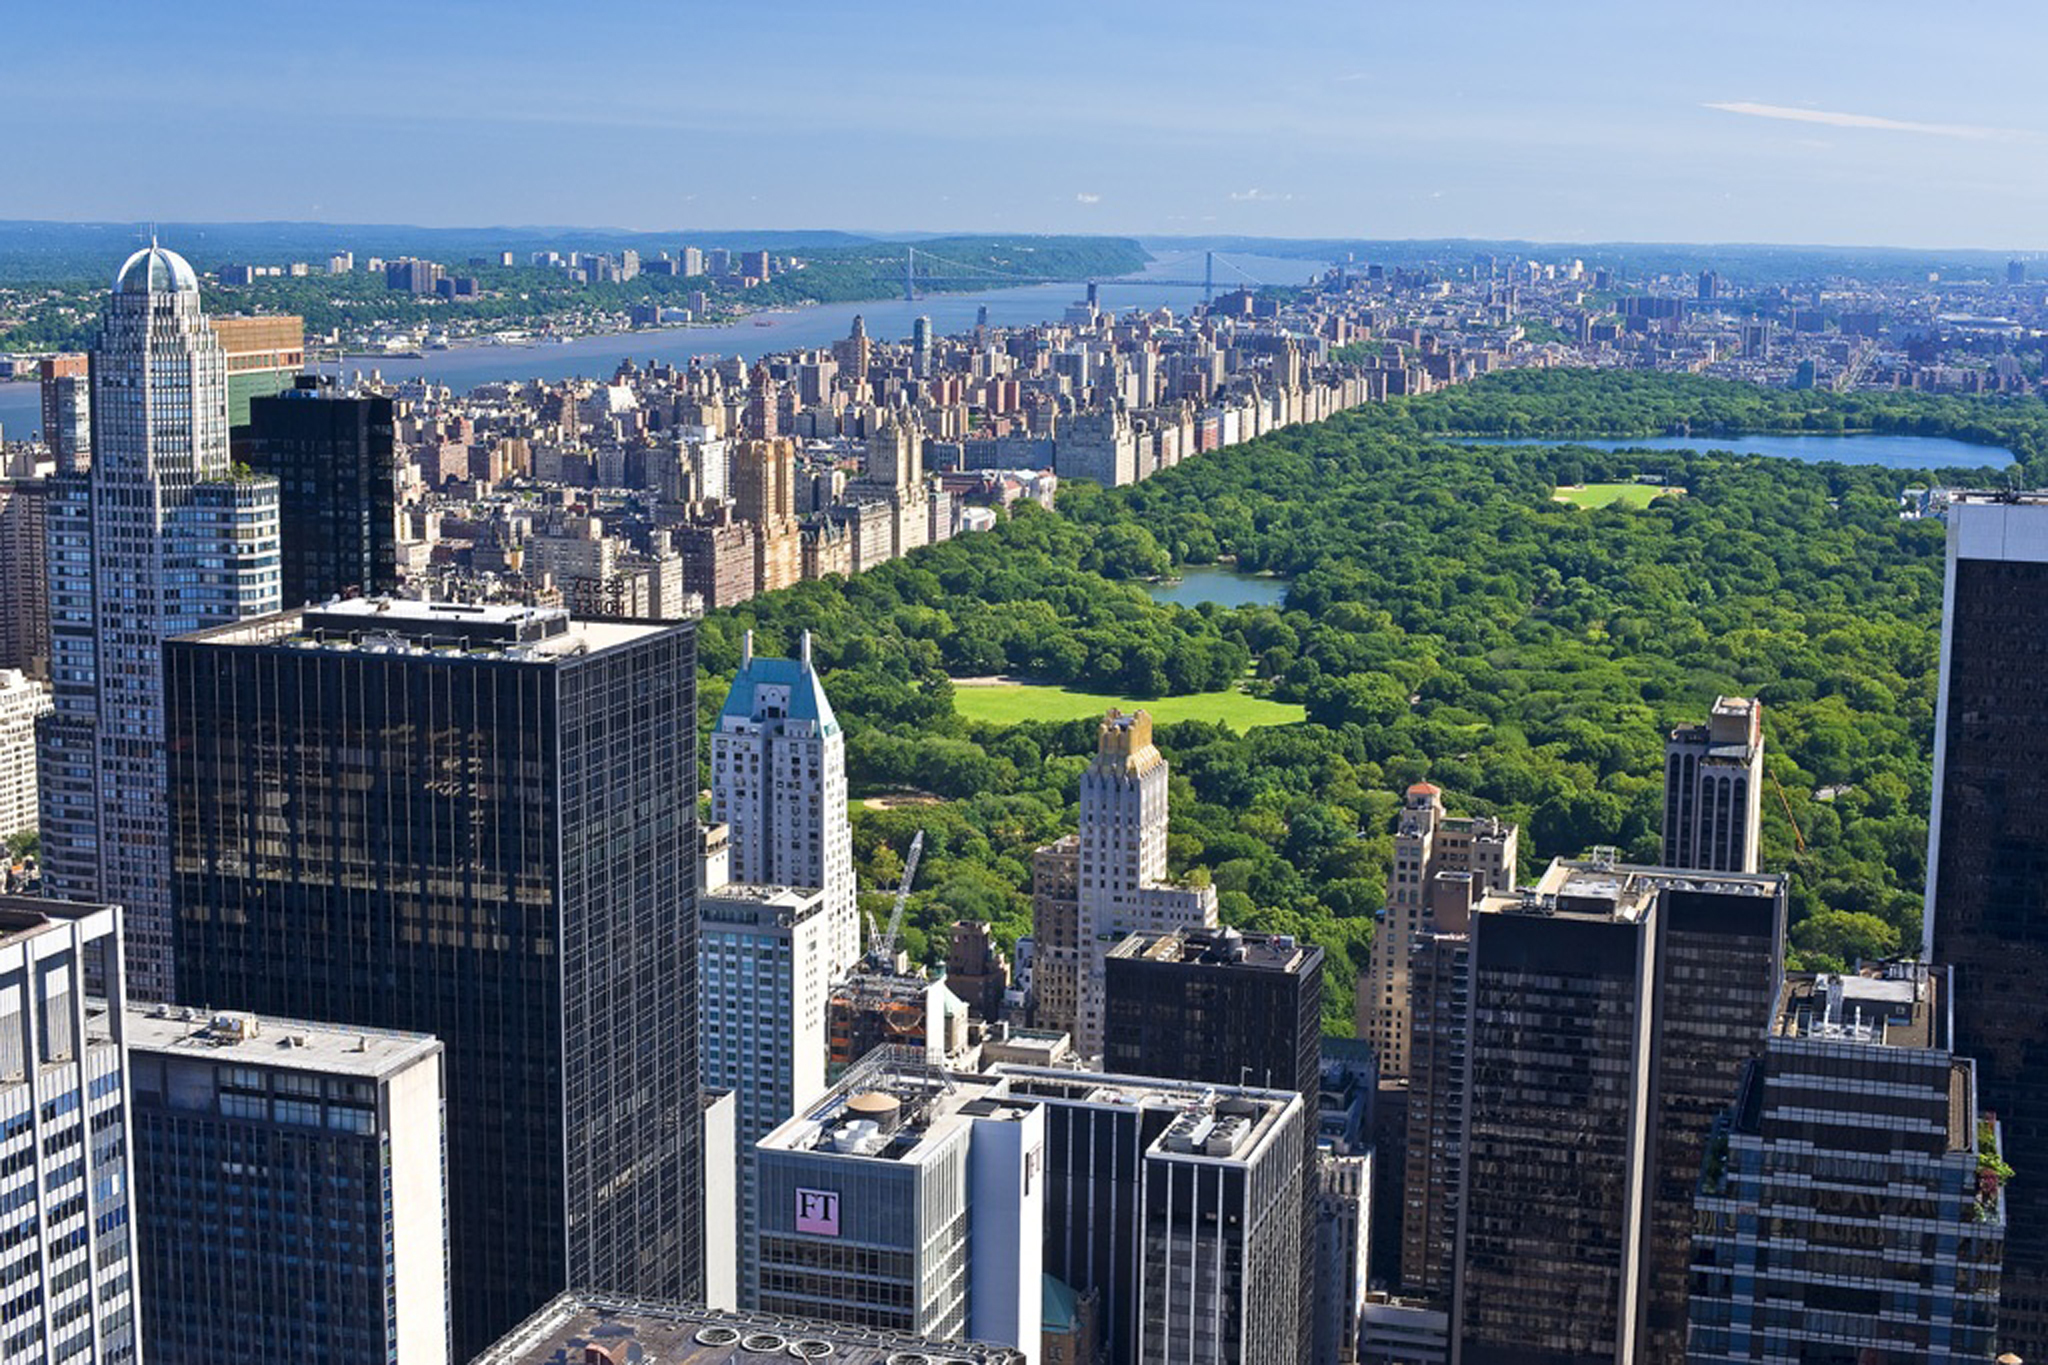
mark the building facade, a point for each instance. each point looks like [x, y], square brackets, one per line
[292, 1184]
[24, 575]
[69, 1259]
[158, 537]
[22, 701]
[480, 823]
[1443, 865]
[1713, 789]
[1987, 906]
[337, 473]
[767, 965]
[1858, 1130]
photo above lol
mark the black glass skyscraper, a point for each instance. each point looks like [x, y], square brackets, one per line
[475, 822]
[1987, 859]
[337, 475]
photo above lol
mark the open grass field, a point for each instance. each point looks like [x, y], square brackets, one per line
[1609, 494]
[1009, 702]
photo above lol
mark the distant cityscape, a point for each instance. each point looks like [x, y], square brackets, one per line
[404, 963]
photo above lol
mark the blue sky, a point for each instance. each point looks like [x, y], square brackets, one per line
[1792, 121]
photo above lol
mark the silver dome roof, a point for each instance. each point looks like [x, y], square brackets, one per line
[155, 270]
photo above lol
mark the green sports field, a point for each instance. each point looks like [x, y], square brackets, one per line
[1009, 703]
[1610, 494]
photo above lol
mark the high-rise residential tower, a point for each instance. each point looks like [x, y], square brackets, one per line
[1713, 789]
[67, 411]
[68, 1258]
[22, 700]
[477, 822]
[1987, 897]
[1443, 865]
[309, 1163]
[778, 782]
[1121, 870]
[158, 537]
[337, 476]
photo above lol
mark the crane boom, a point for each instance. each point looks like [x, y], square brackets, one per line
[884, 946]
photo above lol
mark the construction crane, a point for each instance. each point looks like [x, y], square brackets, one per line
[882, 943]
[1798, 839]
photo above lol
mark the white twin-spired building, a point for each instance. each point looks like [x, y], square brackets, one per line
[783, 926]
[159, 536]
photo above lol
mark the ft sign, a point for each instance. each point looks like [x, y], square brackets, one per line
[817, 1211]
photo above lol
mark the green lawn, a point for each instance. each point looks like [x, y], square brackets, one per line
[1609, 494]
[1009, 703]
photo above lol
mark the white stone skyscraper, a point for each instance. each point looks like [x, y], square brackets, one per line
[158, 537]
[778, 782]
[1713, 789]
[785, 928]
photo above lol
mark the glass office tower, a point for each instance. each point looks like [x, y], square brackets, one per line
[480, 823]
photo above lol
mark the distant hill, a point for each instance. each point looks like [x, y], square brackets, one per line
[57, 251]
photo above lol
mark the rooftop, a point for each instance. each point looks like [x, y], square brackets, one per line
[776, 689]
[583, 1328]
[400, 625]
[754, 903]
[1220, 1123]
[1221, 948]
[893, 1106]
[293, 1044]
[1598, 886]
[1891, 1004]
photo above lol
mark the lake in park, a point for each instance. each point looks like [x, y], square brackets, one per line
[1225, 587]
[1892, 452]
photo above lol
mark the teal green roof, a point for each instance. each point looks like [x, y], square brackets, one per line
[1061, 1312]
[807, 700]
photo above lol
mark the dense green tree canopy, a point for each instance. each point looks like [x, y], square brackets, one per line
[1446, 618]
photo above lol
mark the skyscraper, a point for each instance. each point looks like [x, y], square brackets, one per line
[1883, 1238]
[476, 822]
[778, 782]
[337, 477]
[68, 1261]
[1611, 1012]
[1178, 1204]
[307, 1161]
[158, 537]
[67, 411]
[1713, 789]
[22, 700]
[1121, 867]
[24, 572]
[1987, 906]
[1229, 1008]
[1443, 864]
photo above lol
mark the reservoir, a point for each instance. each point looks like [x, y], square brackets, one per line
[1201, 583]
[463, 368]
[1892, 452]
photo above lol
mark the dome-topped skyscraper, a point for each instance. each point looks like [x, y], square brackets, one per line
[155, 539]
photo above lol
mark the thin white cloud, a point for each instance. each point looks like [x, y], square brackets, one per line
[1257, 196]
[1084, 197]
[1836, 119]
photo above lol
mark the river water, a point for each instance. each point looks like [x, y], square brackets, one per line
[466, 367]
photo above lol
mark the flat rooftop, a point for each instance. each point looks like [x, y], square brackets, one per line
[1220, 948]
[1899, 1004]
[401, 625]
[1597, 887]
[757, 903]
[894, 1106]
[581, 1328]
[1222, 1123]
[286, 1044]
